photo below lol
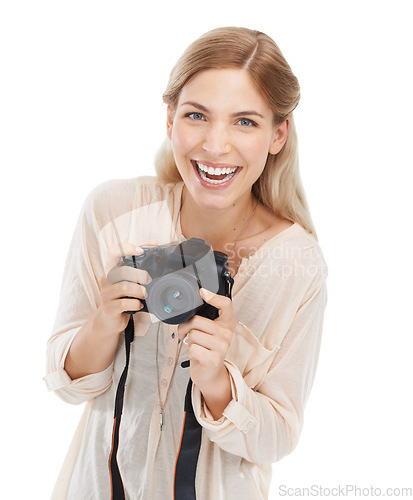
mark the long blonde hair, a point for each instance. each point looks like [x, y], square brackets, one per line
[279, 187]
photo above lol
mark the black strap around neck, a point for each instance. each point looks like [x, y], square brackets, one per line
[187, 459]
[117, 489]
[188, 453]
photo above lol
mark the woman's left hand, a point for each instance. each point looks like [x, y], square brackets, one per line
[209, 341]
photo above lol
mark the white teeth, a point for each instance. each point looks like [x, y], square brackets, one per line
[202, 169]
[215, 171]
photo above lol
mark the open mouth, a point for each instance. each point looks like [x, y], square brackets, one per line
[214, 176]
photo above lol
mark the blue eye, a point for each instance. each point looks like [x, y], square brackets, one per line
[195, 116]
[245, 122]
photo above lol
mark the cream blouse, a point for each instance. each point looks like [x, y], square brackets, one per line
[279, 297]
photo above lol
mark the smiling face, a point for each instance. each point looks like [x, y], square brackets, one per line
[221, 133]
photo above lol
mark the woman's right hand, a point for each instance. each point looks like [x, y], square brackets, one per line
[122, 290]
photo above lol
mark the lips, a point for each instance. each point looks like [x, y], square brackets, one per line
[215, 175]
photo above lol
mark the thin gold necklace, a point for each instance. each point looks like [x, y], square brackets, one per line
[163, 404]
[240, 234]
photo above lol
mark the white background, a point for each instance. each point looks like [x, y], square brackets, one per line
[80, 103]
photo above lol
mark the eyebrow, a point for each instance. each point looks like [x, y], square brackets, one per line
[234, 115]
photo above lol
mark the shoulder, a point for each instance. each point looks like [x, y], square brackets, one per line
[295, 244]
[116, 197]
[128, 189]
[307, 249]
[291, 261]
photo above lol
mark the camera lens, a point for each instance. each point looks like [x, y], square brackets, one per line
[174, 298]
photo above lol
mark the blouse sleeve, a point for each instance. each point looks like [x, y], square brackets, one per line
[263, 423]
[78, 300]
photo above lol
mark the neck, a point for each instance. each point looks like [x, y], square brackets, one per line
[218, 226]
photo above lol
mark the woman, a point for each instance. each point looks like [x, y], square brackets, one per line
[228, 174]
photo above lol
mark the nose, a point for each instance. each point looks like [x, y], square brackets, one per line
[216, 141]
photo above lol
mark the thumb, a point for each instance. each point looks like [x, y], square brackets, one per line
[207, 295]
[118, 250]
[149, 243]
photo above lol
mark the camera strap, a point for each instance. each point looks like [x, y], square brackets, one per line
[117, 489]
[187, 459]
[190, 444]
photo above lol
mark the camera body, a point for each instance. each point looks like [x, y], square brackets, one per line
[178, 271]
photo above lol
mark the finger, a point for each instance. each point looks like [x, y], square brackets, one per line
[185, 328]
[210, 297]
[121, 290]
[147, 244]
[221, 302]
[126, 305]
[150, 243]
[120, 249]
[200, 354]
[128, 274]
[206, 340]
[198, 323]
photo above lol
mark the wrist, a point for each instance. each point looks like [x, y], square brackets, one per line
[217, 394]
[102, 328]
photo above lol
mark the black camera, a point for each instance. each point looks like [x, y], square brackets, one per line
[178, 271]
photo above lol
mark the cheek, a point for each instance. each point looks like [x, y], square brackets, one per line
[254, 148]
[182, 139]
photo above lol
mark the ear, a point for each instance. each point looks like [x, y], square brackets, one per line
[169, 121]
[279, 137]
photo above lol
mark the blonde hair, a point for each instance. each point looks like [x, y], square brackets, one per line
[279, 187]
